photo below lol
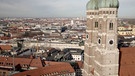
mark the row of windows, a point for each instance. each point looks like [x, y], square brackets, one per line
[101, 12]
[25, 65]
[1, 63]
[110, 26]
[92, 13]
[107, 12]
[76, 58]
[10, 64]
[2, 73]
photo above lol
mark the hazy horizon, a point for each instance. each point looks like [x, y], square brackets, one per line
[56, 8]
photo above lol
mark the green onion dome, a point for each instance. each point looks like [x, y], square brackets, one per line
[96, 4]
[109, 4]
[92, 5]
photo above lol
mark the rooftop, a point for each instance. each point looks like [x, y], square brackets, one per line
[53, 70]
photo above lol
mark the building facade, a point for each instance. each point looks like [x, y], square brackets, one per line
[126, 30]
[101, 55]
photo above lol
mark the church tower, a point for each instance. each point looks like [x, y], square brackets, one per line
[101, 56]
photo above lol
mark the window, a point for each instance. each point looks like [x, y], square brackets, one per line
[96, 24]
[113, 12]
[107, 12]
[110, 12]
[87, 36]
[103, 12]
[90, 13]
[99, 41]
[111, 42]
[111, 26]
[4, 73]
[0, 73]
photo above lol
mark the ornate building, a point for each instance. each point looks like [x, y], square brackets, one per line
[101, 57]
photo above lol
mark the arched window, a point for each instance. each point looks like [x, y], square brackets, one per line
[87, 36]
[111, 26]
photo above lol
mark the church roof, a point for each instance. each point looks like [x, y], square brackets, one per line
[92, 5]
[95, 4]
[109, 4]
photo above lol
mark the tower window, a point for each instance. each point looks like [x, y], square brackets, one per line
[99, 41]
[96, 24]
[111, 42]
[111, 26]
[87, 36]
[106, 12]
[113, 12]
[110, 12]
[103, 12]
[95, 13]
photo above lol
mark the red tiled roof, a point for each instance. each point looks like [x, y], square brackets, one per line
[80, 64]
[5, 47]
[128, 70]
[59, 69]
[127, 61]
[22, 61]
[5, 38]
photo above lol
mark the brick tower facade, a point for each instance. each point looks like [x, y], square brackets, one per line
[101, 56]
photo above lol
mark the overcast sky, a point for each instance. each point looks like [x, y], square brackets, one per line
[56, 8]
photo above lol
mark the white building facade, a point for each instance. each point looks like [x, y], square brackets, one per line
[101, 55]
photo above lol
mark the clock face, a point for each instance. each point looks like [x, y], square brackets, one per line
[111, 42]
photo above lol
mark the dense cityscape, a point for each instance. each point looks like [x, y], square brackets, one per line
[32, 43]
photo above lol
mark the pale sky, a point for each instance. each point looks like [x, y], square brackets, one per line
[56, 8]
